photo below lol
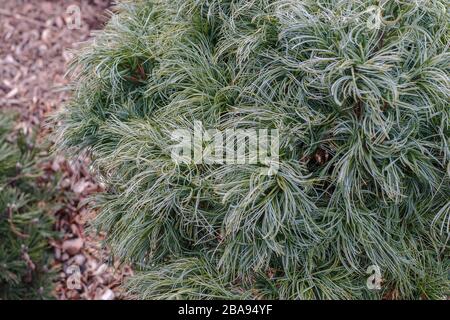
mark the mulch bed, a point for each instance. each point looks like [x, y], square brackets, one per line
[35, 45]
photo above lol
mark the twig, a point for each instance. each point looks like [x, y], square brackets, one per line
[358, 108]
[13, 227]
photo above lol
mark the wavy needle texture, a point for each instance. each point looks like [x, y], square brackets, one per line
[359, 91]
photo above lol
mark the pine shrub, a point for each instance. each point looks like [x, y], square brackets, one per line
[359, 91]
[25, 225]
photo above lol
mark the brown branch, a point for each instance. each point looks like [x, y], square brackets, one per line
[358, 109]
[142, 73]
[381, 41]
[13, 227]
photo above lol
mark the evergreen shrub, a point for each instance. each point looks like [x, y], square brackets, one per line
[359, 91]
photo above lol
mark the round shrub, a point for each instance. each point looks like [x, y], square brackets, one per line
[359, 93]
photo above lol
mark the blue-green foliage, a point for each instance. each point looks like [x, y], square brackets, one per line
[359, 91]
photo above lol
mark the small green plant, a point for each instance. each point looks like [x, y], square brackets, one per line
[359, 92]
[25, 226]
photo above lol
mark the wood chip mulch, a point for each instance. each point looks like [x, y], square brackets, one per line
[35, 44]
[85, 268]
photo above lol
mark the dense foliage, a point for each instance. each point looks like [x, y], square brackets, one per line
[359, 91]
[25, 226]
